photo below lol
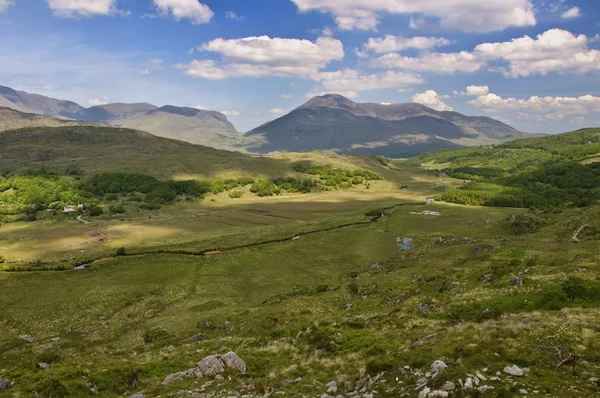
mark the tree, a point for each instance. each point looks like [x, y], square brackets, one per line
[555, 343]
[574, 288]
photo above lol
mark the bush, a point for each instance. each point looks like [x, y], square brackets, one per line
[322, 288]
[353, 288]
[157, 336]
[265, 188]
[236, 194]
[121, 251]
[555, 342]
[94, 210]
[574, 288]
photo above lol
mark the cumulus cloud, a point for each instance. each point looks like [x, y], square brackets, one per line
[465, 15]
[475, 91]
[144, 72]
[231, 113]
[350, 80]
[265, 56]
[539, 107]
[85, 8]
[443, 63]
[433, 100]
[193, 10]
[232, 15]
[286, 96]
[277, 111]
[98, 101]
[4, 4]
[385, 103]
[390, 43]
[573, 12]
[555, 50]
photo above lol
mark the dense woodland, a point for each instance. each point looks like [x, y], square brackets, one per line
[552, 171]
[23, 195]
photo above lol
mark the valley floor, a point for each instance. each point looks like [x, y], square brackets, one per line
[333, 307]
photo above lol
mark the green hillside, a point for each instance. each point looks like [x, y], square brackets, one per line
[559, 170]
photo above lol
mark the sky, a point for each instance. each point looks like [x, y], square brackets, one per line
[534, 64]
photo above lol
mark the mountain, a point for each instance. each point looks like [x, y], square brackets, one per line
[193, 125]
[333, 122]
[11, 119]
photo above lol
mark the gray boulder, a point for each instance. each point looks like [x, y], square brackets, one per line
[234, 362]
[438, 366]
[211, 365]
[5, 384]
[514, 371]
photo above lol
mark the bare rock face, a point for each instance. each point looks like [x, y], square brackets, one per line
[234, 362]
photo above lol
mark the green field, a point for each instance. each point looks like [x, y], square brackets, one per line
[302, 285]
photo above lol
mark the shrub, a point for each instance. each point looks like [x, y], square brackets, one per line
[94, 210]
[353, 288]
[236, 194]
[121, 251]
[322, 288]
[157, 337]
[574, 288]
[554, 342]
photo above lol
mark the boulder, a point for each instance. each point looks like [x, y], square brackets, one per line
[5, 384]
[438, 366]
[211, 365]
[449, 386]
[514, 371]
[137, 395]
[234, 362]
[421, 341]
[43, 366]
[198, 337]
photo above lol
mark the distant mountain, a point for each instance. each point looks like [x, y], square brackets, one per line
[11, 119]
[333, 122]
[193, 125]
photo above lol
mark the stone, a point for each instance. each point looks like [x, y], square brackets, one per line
[234, 362]
[449, 386]
[375, 267]
[516, 282]
[421, 341]
[523, 391]
[437, 366]
[362, 373]
[44, 366]
[514, 371]
[198, 337]
[137, 395]
[5, 384]
[484, 389]
[512, 292]
[294, 381]
[219, 377]
[27, 338]
[401, 371]
[211, 365]
[480, 376]
[469, 383]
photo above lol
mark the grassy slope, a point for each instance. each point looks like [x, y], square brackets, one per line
[11, 120]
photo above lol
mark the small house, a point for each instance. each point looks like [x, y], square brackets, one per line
[69, 209]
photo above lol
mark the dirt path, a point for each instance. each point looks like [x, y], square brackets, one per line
[82, 220]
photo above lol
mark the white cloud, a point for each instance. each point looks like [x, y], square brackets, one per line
[386, 103]
[191, 51]
[156, 62]
[144, 72]
[555, 50]
[98, 101]
[232, 15]
[265, 56]
[466, 15]
[193, 10]
[573, 12]
[390, 43]
[4, 4]
[327, 32]
[286, 96]
[539, 108]
[350, 80]
[474, 91]
[416, 22]
[231, 113]
[443, 63]
[85, 8]
[432, 100]
[277, 111]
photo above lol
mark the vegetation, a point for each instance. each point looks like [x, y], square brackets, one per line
[542, 172]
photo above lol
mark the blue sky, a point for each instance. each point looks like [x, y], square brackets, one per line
[532, 63]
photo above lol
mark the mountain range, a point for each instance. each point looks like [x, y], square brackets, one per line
[325, 123]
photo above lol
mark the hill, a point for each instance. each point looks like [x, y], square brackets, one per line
[105, 149]
[558, 170]
[333, 122]
[196, 126]
[11, 119]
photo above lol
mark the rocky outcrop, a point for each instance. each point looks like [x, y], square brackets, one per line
[211, 366]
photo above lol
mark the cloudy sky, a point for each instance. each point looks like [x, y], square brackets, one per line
[532, 63]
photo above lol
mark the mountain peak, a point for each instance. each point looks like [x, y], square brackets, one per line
[330, 101]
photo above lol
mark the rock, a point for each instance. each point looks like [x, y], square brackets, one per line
[514, 371]
[347, 306]
[424, 393]
[516, 282]
[362, 373]
[44, 366]
[375, 267]
[211, 365]
[27, 338]
[421, 341]
[484, 389]
[198, 337]
[512, 292]
[449, 386]
[362, 316]
[331, 384]
[295, 381]
[135, 381]
[5, 384]
[318, 352]
[523, 391]
[137, 395]
[332, 389]
[234, 362]
[438, 366]
[401, 371]
[219, 377]
[469, 384]
[480, 376]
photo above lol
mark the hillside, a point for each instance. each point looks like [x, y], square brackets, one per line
[333, 122]
[558, 170]
[102, 149]
[187, 124]
[11, 119]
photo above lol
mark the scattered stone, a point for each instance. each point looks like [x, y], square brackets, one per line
[198, 337]
[421, 341]
[219, 377]
[487, 278]
[27, 338]
[362, 373]
[469, 384]
[56, 340]
[44, 366]
[512, 292]
[484, 389]
[523, 391]
[449, 386]
[294, 381]
[5, 384]
[137, 395]
[211, 365]
[318, 352]
[516, 282]
[375, 267]
[401, 371]
[348, 306]
[437, 366]
[362, 316]
[480, 376]
[514, 371]
[234, 362]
